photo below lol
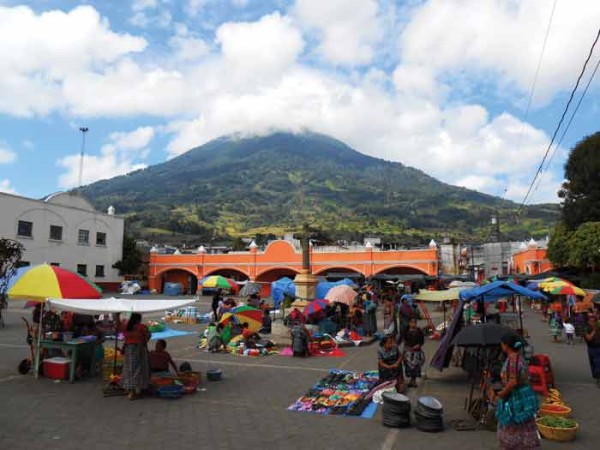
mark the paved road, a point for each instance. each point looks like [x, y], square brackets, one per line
[248, 408]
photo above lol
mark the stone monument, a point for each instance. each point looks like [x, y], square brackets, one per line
[306, 282]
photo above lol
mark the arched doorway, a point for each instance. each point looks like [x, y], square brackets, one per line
[233, 274]
[187, 279]
[338, 273]
[267, 277]
[412, 278]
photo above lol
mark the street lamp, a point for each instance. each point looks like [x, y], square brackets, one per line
[83, 130]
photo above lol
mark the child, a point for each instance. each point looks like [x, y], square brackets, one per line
[569, 332]
[160, 359]
[266, 322]
[214, 339]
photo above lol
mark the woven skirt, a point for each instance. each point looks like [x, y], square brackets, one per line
[136, 367]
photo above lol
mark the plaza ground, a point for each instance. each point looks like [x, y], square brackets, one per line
[248, 409]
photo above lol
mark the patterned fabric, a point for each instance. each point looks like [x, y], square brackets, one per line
[413, 361]
[522, 403]
[136, 367]
[389, 357]
[519, 437]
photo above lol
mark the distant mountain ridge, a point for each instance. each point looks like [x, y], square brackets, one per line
[236, 186]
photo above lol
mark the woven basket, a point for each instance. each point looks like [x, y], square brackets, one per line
[564, 412]
[557, 434]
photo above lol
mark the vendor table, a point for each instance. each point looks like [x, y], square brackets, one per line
[75, 349]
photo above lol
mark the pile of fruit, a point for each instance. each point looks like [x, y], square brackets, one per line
[554, 397]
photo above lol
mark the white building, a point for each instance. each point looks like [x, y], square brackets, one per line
[64, 229]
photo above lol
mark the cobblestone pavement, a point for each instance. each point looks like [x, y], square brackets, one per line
[248, 408]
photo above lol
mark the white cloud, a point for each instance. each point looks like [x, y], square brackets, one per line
[193, 7]
[141, 5]
[270, 44]
[39, 52]
[146, 13]
[6, 154]
[6, 186]
[187, 46]
[123, 153]
[502, 37]
[348, 29]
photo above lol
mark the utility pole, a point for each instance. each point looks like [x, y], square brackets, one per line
[83, 130]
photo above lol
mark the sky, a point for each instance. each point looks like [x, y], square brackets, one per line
[440, 85]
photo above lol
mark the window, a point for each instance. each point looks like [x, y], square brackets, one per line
[101, 238]
[100, 271]
[25, 228]
[55, 264]
[83, 237]
[82, 269]
[22, 264]
[55, 233]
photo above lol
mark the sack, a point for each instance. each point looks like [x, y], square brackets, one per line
[520, 407]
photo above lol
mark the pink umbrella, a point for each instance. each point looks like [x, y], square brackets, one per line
[342, 294]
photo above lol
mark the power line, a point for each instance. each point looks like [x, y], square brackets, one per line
[587, 86]
[534, 84]
[562, 118]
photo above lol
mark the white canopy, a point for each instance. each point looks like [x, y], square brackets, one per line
[118, 305]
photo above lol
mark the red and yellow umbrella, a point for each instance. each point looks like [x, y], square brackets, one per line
[218, 281]
[244, 314]
[44, 281]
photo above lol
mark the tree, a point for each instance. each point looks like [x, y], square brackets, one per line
[132, 258]
[581, 190]
[238, 245]
[559, 246]
[584, 246]
[10, 255]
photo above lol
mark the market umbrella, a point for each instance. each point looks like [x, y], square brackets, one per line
[243, 314]
[316, 306]
[341, 294]
[482, 335]
[44, 281]
[560, 288]
[218, 281]
[250, 288]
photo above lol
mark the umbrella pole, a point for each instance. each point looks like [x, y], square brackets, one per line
[39, 341]
[118, 319]
[444, 308]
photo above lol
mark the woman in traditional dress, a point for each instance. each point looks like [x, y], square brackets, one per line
[389, 361]
[555, 324]
[136, 364]
[414, 358]
[592, 339]
[516, 433]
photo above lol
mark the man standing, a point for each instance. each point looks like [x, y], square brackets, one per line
[215, 303]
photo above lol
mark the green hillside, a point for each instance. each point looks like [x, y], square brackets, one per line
[260, 185]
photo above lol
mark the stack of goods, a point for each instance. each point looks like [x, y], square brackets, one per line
[396, 410]
[237, 347]
[339, 393]
[554, 422]
[108, 362]
[189, 314]
[429, 414]
[156, 327]
[174, 387]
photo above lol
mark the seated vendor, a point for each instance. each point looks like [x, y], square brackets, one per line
[160, 359]
[249, 336]
[214, 338]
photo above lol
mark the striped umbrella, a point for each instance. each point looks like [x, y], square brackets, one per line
[244, 314]
[218, 281]
[316, 306]
[562, 289]
[43, 281]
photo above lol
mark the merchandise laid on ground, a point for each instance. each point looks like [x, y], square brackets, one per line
[341, 393]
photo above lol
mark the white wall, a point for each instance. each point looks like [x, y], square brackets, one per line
[72, 213]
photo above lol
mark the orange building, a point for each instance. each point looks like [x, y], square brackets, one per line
[531, 260]
[281, 258]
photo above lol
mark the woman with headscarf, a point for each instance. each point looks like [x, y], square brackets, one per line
[414, 357]
[136, 364]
